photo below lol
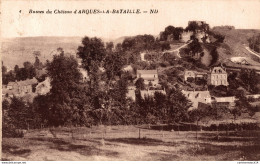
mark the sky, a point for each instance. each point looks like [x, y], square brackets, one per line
[243, 14]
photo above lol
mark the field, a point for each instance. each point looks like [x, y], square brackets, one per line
[123, 143]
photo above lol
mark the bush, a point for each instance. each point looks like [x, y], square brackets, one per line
[200, 81]
[190, 79]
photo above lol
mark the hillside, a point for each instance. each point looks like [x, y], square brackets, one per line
[235, 42]
[15, 51]
[18, 50]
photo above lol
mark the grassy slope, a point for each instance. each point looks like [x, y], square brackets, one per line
[234, 43]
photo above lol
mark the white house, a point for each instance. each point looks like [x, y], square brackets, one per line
[193, 74]
[149, 76]
[197, 96]
[217, 76]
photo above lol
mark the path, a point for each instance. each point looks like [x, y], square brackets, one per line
[168, 51]
[252, 52]
[177, 49]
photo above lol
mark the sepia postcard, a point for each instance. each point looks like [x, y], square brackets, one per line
[86, 80]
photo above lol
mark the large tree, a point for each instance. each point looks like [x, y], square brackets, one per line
[92, 53]
[250, 79]
[67, 98]
[178, 106]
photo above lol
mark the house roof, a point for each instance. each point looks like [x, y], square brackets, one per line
[197, 96]
[218, 70]
[25, 82]
[7, 91]
[11, 83]
[28, 82]
[128, 68]
[44, 87]
[230, 99]
[149, 78]
[147, 71]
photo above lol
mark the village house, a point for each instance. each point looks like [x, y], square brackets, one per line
[149, 76]
[217, 76]
[254, 96]
[224, 101]
[43, 87]
[194, 75]
[20, 88]
[131, 92]
[197, 97]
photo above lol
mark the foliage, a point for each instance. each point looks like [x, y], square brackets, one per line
[194, 26]
[92, 53]
[250, 79]
[37, 64]
[140, 84]
[215, 56]
[140, 43]
[177, 106]
[113, 64]
[67, 101]
[254, 43]
[26, 72]
[195, 47]
[171, 32]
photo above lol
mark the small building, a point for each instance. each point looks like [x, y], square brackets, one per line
[217, 76]
[197, 97]
[254, 96]
[43, 87]
[20, 88]
[194, 75]
[224, 101]
[149, 76]
[131, 92]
